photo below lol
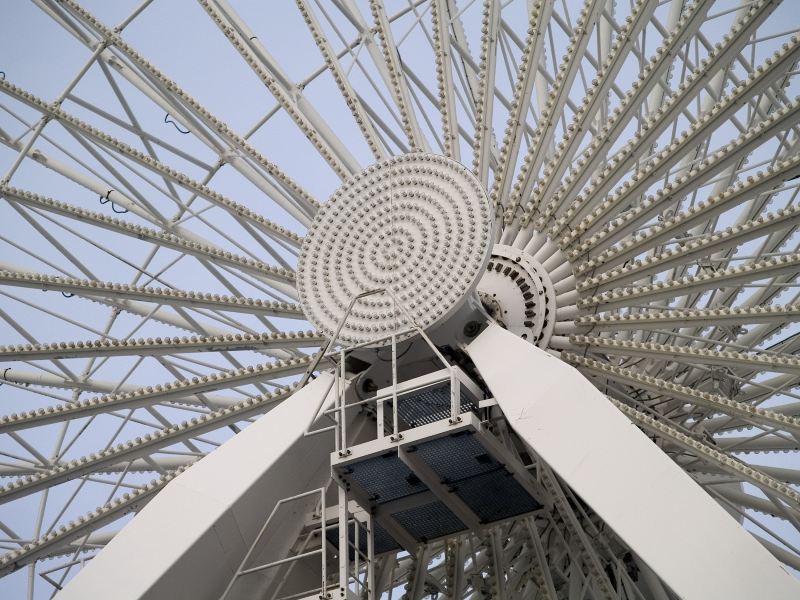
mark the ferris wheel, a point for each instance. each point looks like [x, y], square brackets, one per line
[398, 299]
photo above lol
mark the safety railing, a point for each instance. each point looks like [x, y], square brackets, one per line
[241, 571]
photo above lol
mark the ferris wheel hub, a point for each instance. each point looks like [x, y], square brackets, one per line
[417, 225]
[518, 294]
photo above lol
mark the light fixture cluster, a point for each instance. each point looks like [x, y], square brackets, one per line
[416, 224]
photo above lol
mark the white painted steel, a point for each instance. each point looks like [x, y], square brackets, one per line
[642, 156]
[206, 519]
[418, 225]
[690, 542]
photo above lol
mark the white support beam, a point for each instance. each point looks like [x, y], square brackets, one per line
[693, 544]
[214, 510]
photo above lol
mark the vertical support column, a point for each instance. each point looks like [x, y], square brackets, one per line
[340, 392]
[498, 563]
[455, 395]
[395, 422]
[323, 541]
[379, 406]
[457, 566]
[343, 544]
[370, 558]
[356, 557]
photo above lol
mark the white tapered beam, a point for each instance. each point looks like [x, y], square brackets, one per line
[214, 510]
[691, 543]
[141, 446]
[76, 531]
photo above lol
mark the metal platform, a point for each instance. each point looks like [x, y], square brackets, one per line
[439, 479]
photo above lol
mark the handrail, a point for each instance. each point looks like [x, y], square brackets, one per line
[242, 571]
[327, 353]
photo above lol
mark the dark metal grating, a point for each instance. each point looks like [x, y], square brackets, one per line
[383, 542]
[431, 404]
[429, 521]
[456, 457]
[495, 496]
[483, 483]
[384, 478]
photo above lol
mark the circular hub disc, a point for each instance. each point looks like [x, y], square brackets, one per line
[416, 224]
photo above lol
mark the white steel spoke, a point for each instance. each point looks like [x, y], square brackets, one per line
[523, 88]
[399, 85]
[557, 99]
[100, 289]
[335, 66]
[150, 347]
[332, 150]
[444, 76]
[752, 272]
[484, 100]
[660, 319]
[167, 240]
[154, 395]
